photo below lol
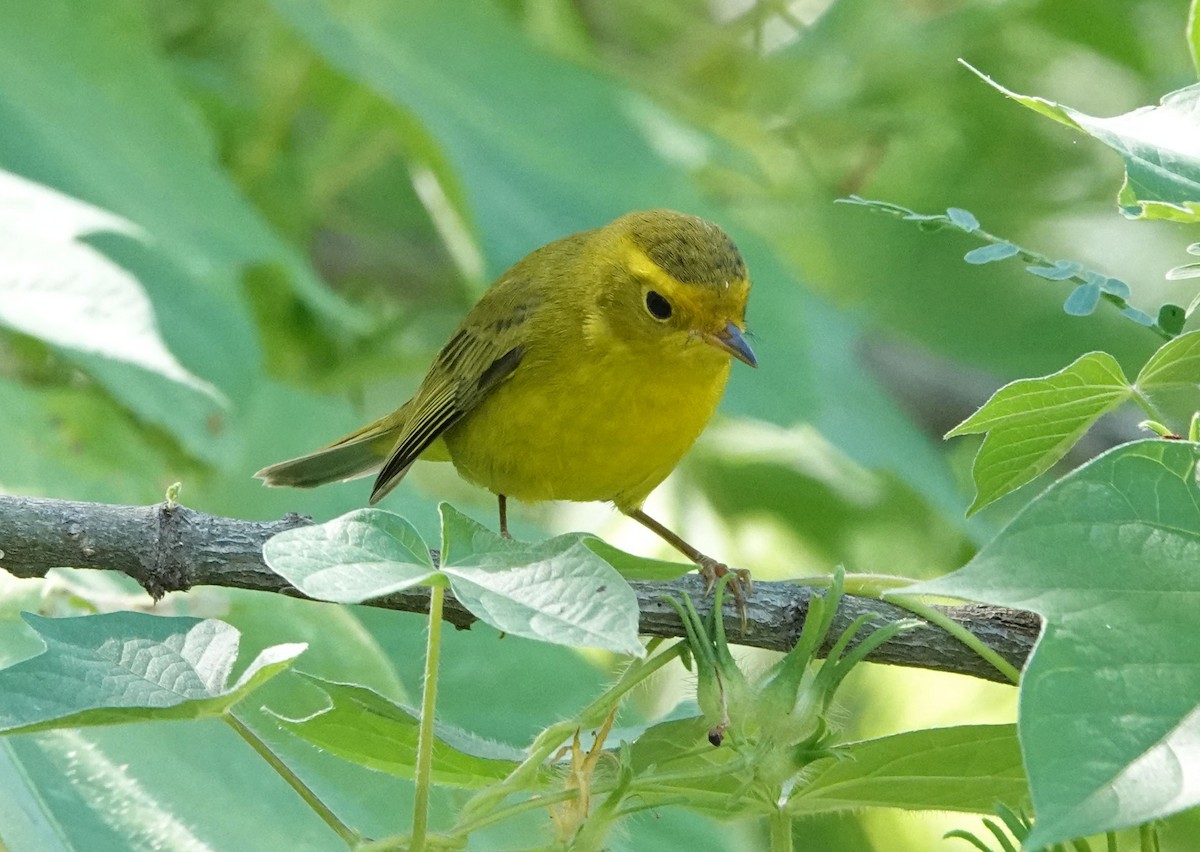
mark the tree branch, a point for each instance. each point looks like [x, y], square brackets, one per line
[168, 547]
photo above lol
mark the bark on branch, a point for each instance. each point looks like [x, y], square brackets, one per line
[168, 547]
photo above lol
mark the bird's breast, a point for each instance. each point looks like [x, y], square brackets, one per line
[606, 424]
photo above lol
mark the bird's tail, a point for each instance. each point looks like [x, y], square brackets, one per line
[358, 454]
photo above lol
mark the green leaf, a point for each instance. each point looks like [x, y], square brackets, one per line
[1060, 271]
[965, 219]
[1031, 423]
[362, 555]
[556, 590]
[1115, 286]
[1177, 362]
[964, 768]
[1180, 273]
[67, 293]
[129, 666]
[84, 90]
[1138, 316]
[1162, 162]
[525, 187]
[362, 726]
[633, 567]
[989, 253]
[680, 749]
[1082, 300]
[1108, 706]
[1193, 34]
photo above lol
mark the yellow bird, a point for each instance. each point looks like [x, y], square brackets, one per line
[584, 373]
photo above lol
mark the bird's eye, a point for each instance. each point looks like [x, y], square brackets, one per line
[658, 306]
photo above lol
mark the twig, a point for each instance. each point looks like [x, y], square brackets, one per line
[169, 548]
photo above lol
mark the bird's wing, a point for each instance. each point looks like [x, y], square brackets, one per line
[485, 351]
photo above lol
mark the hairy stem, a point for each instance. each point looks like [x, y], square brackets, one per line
[343, 831]
[424, 767]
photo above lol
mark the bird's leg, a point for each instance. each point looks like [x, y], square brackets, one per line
[710, 569]
[503, 501]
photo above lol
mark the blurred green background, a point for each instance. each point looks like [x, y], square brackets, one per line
[304, 196]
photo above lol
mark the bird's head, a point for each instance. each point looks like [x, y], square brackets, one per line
[672, 281]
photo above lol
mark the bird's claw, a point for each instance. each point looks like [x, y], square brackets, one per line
[740, 583]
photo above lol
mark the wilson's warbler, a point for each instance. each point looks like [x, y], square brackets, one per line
[583, 373]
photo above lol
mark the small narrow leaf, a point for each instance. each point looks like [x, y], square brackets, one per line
[556, 590]
[1031, 423]
[362, 555]
[1083, 300]
[965, 219]
[1115, 286]
[362, 726]
[1140, 317]
[1060, 271]
[1188, 270]
[129, 666]
[1177, 362]
[990, 253]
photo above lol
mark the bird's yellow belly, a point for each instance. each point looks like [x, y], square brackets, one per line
[610, 432]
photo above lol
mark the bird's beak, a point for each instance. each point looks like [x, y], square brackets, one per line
[730, 339]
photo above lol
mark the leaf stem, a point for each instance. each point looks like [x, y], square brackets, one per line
[348, 835]
[1146, 404]
[424, 766]
[962, 634]
[781, 831]
[1028, 256]
[877, 586]
[552, 737]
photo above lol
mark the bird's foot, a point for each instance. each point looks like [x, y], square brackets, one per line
[740, 583]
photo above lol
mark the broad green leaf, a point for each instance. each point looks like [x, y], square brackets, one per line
[128, 666]
[1031, 423]
[679, 748]
[67, 293]
[633, 567]
[1108, 556]
[964, 768]
[77, 443]
[90, 109]
[1177, 362]
[527, 165]
[362, 555]
[1159, 145]
[362, 726]
[556, 590]
[144, 787]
